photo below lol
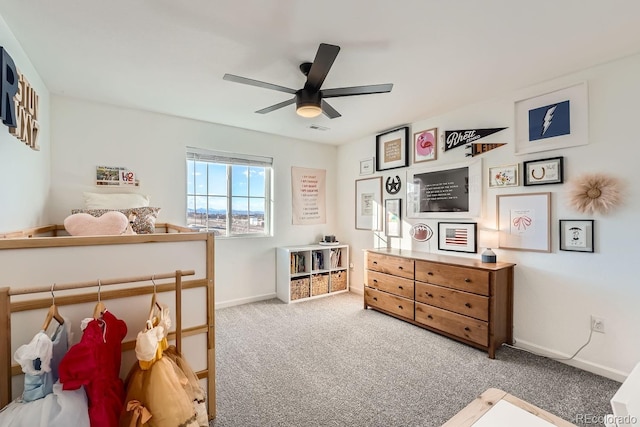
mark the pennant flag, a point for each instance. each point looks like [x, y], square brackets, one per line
[456, 138]
[479, 148]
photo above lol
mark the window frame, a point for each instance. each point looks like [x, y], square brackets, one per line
[229, 160]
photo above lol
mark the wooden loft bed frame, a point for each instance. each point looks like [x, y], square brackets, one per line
[66, 260]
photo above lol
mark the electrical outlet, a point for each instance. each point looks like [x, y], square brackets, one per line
[597, 324]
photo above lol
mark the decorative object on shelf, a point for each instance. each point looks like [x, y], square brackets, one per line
[576, 235]
[329, 240]
[421, 232]
[425, 144]
[553, 120]
[366, 166]
[478, 148]
[391, 149]
[323, 243]
[524, 221]
[457, 236]
[543, 171]
[488, 238]
[457, 138]
[504, 176]
[369, 203]
[594, 193]
[454, 189]
[393, 184]
[393, 215]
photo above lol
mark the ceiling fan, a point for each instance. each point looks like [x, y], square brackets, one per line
[310, 99]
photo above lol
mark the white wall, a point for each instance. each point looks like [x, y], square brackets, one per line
[24, 173]
[87, 134]
[557, 292]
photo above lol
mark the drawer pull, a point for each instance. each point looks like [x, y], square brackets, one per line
[466, 328]
[429, 316]
[467, 280]
[467, 305]
[400, 287]
[400, 307]
[375, 262]
[429, 274]
[399, 267]
[375, 298]
[375, 280]
[429, 295]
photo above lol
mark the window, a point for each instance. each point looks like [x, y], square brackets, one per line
[229, 194]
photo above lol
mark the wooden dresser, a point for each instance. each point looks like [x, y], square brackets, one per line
[461, 298]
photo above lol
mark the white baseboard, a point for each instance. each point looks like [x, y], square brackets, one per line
[241, 301]
[585, 365]
[359, 291]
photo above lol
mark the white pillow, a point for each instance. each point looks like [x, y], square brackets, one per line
[115, 200]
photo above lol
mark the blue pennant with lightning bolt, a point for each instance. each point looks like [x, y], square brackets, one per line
[549, 121]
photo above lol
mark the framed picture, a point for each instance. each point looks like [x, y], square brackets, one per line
[576, 235]
[504, 176]
[369, 204]
[391, 149]
[524, 221]
[451, 191]
[393, 215]
[553, 120]
[425, 144]
[457, 236]
[543, 171]
[366, 166]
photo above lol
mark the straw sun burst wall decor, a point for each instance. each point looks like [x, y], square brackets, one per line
[595, 193]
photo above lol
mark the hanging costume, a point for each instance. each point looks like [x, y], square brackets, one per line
[95, 364]
[43, 402]
[161, 389]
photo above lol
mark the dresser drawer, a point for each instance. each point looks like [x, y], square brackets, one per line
[462, 278]
[397, 266]
[450, 299]
[389, 283]
[456, 324]
[391, 303]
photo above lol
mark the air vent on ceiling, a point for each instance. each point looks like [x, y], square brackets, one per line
[318, 127]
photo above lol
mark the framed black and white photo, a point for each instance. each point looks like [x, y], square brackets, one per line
[543, 171]
[576, 235]
[393, 215]
[457, 236]
[392, 149]
[369, 203]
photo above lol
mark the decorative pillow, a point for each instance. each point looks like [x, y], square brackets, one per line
[83, 224]
[114, 200]
[144, 223]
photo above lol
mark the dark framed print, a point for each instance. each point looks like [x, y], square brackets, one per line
[393, 215]
[543, 171]
[458, 236]
[576, 235]
[391, 149]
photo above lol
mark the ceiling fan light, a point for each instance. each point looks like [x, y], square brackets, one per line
[309, 110]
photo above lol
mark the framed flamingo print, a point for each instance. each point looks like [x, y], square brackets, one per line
[425, 144]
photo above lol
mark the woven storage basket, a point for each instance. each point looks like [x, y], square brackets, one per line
[299, 288]
[319, 284]
[338, 281]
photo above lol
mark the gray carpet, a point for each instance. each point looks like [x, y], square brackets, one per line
[329, 362]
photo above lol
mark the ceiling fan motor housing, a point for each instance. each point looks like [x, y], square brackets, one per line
[305, 98]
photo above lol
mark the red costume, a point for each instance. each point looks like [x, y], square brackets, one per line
[95, 364]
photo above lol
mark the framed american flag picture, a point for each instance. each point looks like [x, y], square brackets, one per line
[457, 236]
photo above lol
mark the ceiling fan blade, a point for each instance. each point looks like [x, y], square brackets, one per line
[329, 111]
[251, 82]
[277, 106]
[321, 65]
[357, 90]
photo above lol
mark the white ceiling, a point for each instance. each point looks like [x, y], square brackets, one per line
[169, 56]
